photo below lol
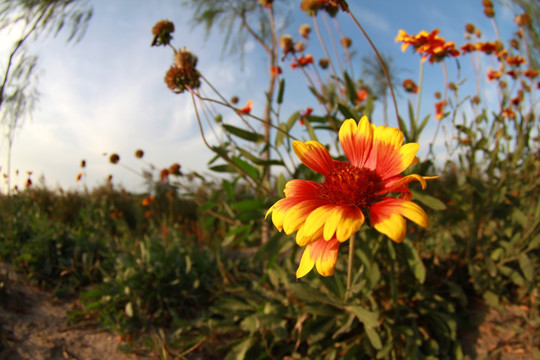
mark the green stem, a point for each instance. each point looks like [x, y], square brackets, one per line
[419, 98]
[383, 65]
[350, 267]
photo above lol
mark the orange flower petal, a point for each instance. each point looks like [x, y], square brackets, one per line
[314, 155]
[322, 254]
[352, 221]
[356, 140]
[387, 217]
[303, 240]
[302, 189]
[297, 215]
[316, 220]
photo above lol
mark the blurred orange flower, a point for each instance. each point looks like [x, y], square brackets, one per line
[439, 109]
[148, 200]
[492, 74]
[361, 95]
[164, 175]
[275, 70]
[246, 109]
[429, 45]
[304, 114]
[410, 86]
[302, 61]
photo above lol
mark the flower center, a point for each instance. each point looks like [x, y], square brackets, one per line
[351, 185]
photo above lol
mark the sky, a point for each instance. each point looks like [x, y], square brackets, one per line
[106, 94]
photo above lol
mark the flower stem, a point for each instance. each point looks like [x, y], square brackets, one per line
[350, 267]
[383, 65]
[420, 85]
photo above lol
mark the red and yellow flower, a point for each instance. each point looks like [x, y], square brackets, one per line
[246, 109]
[328, 213]
[428, 45]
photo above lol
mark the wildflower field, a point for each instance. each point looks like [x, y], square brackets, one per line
[332, 232]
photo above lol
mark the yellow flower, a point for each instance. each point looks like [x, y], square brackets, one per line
[325, 214]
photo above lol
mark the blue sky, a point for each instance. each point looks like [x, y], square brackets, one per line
[106, 94]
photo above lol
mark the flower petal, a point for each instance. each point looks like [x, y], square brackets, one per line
[393, 226]
[303, 240]
[302, 188]
[352, 220]
[356, 140]
[387, 217]
[306, 263]
[314, 155]
[388, 156]
[322, 254]
[297, 215]
[316, 220]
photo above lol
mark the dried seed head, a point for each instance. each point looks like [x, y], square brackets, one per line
[174, 169]
[183, 74]
[162, 33]
[323, 63]
[304, 30]
[346, 42]
[286, 43]
[114, 158]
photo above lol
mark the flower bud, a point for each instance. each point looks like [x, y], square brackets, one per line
[114, 158]
[304, 30]
[323, 63]
[346, 42]
[286, 43]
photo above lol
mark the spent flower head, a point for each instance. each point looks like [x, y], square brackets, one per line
[304, 30]
[162, 33]
[183, 74]
[114, 158]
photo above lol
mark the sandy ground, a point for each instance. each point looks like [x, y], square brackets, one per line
[33, 326]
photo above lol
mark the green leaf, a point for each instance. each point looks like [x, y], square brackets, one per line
[280, 135]
[403, 128]
[238, 352]
[368, 318]
[208, 205]
[281, 91]
[246, 205]
[223, 168]
[466, 130]
[374, 338]
[423, 124]
[241, 133]
[519, 217]
[276, 245]
[347, 113]
[350, 87]
[129, 309]
[429, 200]
[310, 130]
[413, 260]
[412, 118]
[248, 168]
[492, 300]
[526, 266]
